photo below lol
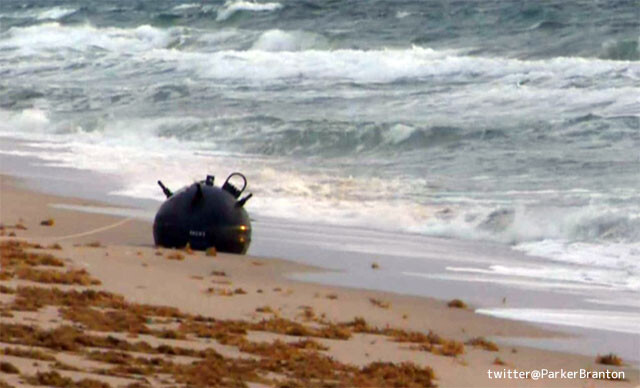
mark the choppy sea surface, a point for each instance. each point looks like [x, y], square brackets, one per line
[508, 121]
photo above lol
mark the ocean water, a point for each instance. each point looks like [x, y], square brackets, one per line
[514, 122]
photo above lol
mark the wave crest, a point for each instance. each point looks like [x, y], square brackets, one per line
[278, 40]
[51, 36]
[230, 8]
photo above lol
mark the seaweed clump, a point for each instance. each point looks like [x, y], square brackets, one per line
[609, 359]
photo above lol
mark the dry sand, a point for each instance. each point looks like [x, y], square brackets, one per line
[249, 290]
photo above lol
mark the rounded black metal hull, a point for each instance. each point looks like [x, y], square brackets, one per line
[203, 216]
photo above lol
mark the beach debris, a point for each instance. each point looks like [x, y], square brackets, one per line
[27, 353]
[498, 361]
[288, 292]
[77, 277]
[399, 373]
[6, 367]
[332, 296]
[380, 303]
[18, 226]
[94, 244]
[256, 263]
[64, 366]
[405, 316]
[284, 326]
[307, 313]
[483, 343]
[55, 379]
[450, 348]
[203, 216]
[430, 342]
[120, 321]
[55, 246]
[211, 251]
[47, 222]
[175, 256]
[265, 309]
[223, 291]
[609, 359]
[457, 303]
[308, 344]
[6, 290]
[187, 249]
[218, 273]
[375, 265]
[13, 254]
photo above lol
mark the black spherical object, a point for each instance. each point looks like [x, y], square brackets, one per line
[204, 216]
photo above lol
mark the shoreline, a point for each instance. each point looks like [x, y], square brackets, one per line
[130, 239]
[448, 269]
[137, 234]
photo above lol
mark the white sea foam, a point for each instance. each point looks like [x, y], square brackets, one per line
[278, 40]
[52, 36]
[231, 7]
[24, 122]
[523, 224]
[598, 277]
[611, 255]
[301, 54]
[624, 322]
[186, 6]
[498, 100]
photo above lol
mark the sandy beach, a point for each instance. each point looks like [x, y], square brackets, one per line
[180, 318]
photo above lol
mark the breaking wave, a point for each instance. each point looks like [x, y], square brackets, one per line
[527, 224]
[44, 38]
[278, 40]
[230, 8]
